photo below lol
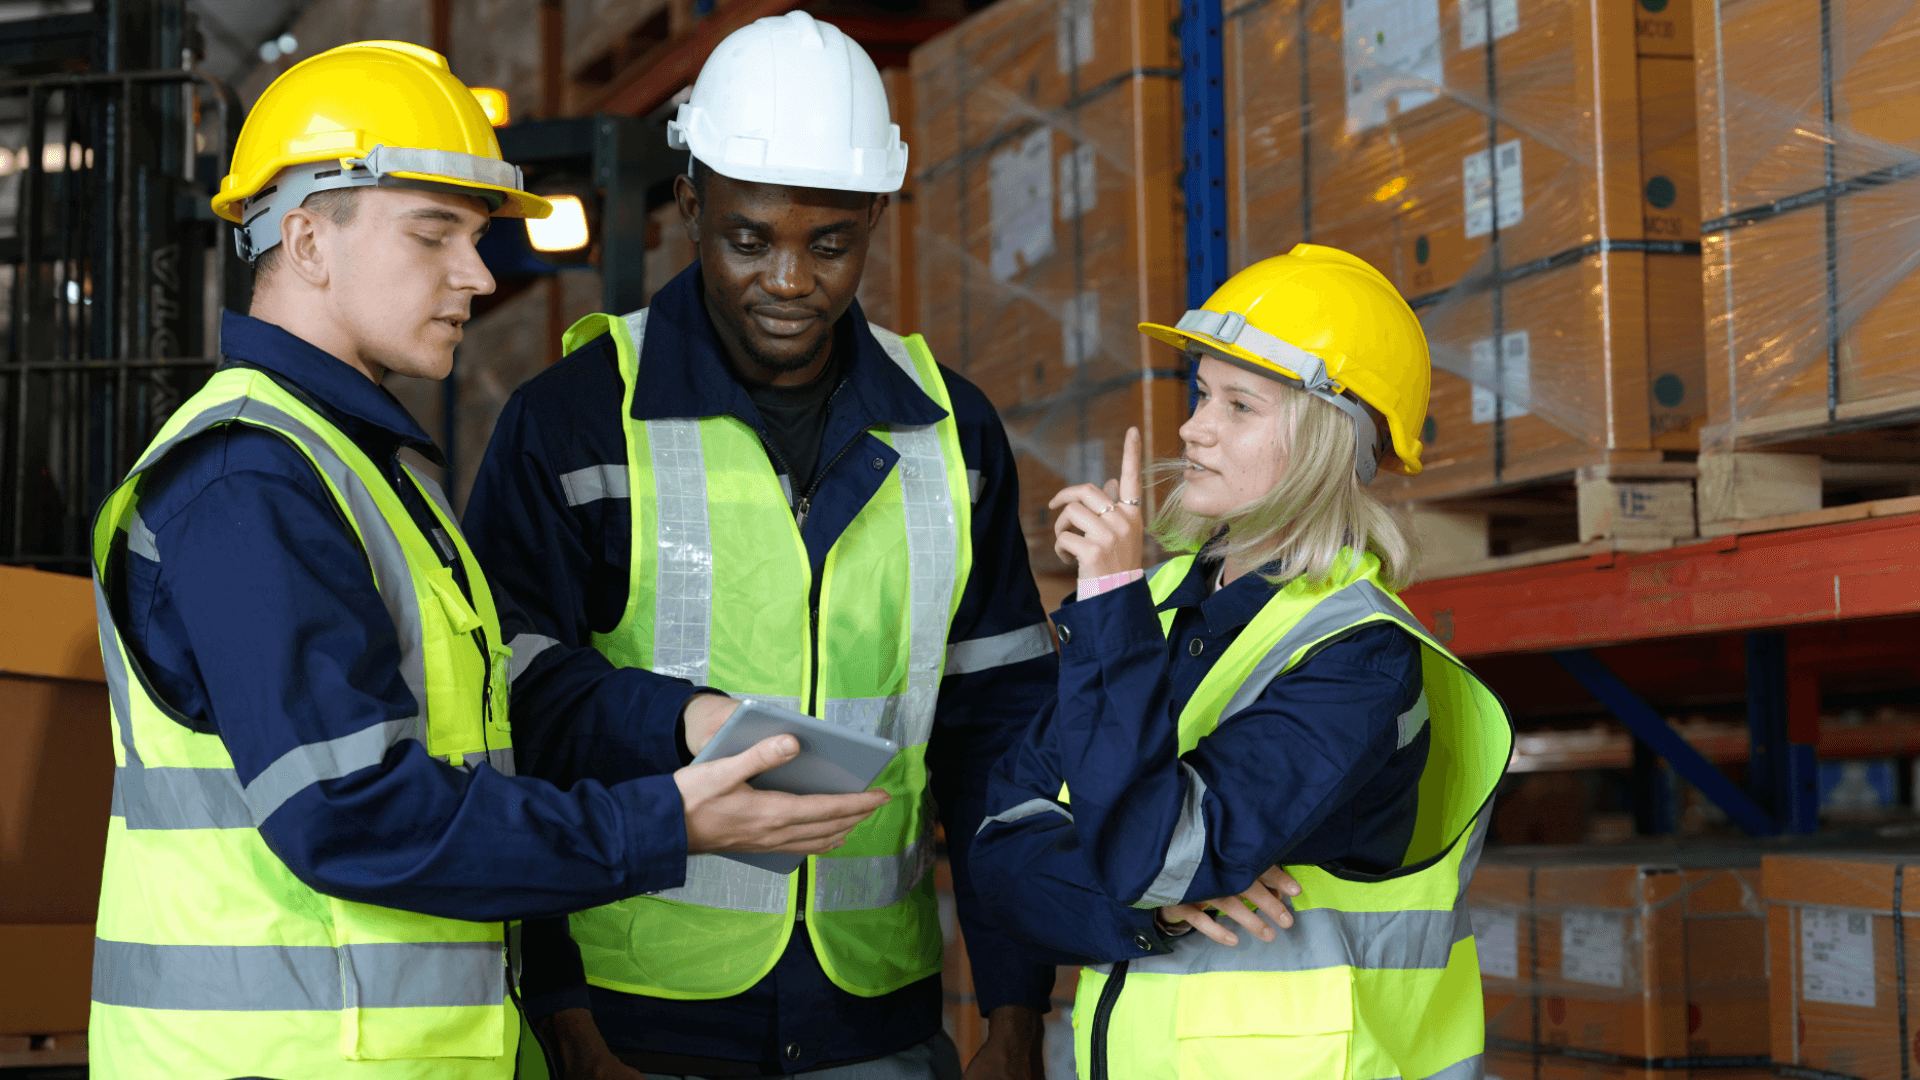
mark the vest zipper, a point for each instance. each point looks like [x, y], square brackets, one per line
[1103, 1016]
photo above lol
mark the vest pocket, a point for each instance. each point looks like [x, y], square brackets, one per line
[1265, 1025]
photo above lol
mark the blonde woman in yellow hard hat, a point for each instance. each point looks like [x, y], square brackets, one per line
[1259, 731]
[318, 838]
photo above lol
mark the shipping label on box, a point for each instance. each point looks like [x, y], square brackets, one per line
[1513, 376]
[1593, 946]
[1392, 57]
[1483, 186]
[1474, 16]
[1836, 956]
[1021, 194]
[1496, 938]
[1073, 34]
[1079, 191]
[1080, 329]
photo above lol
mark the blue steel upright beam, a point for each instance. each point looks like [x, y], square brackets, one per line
[1782, 775]
[1203, 122]
[1651, 727]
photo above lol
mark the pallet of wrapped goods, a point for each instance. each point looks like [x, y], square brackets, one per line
[1525, 175]
[1810, 177]
[1845, 964]
[1608, 964]
[1045, 149]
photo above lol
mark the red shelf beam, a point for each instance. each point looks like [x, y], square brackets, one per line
[1857, 570]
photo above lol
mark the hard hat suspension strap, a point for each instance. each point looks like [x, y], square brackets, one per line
[259, 230]
[1232, 328]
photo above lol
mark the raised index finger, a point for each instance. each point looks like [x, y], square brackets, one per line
[1130, 466]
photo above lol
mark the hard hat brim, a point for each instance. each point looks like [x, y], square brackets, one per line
[516, 203]
[1391, 461]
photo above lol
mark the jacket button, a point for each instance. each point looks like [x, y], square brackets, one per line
[1196, 647]
[1141, 940]
[1066, 634]
[879, 464]
[793, 1051]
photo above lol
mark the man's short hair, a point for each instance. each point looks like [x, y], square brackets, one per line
[697, 174]
[337, 205]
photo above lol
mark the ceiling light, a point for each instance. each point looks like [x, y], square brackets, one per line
[288, 44]
[563, 230]
[494, 104]
[269, 51]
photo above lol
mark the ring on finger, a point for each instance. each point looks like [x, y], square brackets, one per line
[1103, 513]
[1129, 502]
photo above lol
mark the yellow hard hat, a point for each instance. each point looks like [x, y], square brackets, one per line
[383, 113]
[1327, 322]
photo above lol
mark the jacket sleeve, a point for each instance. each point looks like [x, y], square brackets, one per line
[1000, 670]
[1161, 828]
[1034, 878]
[300, 665]
[575, 715]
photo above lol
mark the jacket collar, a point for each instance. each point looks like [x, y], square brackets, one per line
[1227, 609]
[683, 372]
[361, 408]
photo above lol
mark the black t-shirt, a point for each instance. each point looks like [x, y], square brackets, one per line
[796, 416]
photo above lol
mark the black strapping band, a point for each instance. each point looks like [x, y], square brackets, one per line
[1554, 262]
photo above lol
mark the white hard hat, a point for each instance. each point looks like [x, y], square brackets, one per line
[788, 100]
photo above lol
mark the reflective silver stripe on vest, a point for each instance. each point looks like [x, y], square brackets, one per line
[169, 798]
[975, 481]
[932, 555]
[1473, 1068]
[433, 489]
[722, 883]
[119, 697]
[526, 647]
[1414, 720]
[1337, 612]
[863, 883]
[500, 758]
[683, 598]
[1012, 647]
[1324, 938]
[886, 717]
[593, 483]
[275, 978]
[1185, 848]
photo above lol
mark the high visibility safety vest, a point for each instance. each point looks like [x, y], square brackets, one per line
[1377, 977]
[720, 595]
[211, 959]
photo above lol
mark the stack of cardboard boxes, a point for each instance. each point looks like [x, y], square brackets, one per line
[1525, 174]
[1048, 223]
[1607, 964]
[1810, 172]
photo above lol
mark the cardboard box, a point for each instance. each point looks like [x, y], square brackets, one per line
[1045, 153]
[1845, 961]
[1777, 324]
[1558, 128]
[1602, 963]
[50, 978]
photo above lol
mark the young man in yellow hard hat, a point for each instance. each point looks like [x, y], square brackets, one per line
[318, 838]
[751, 486]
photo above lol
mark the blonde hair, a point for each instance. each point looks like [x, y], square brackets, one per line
[1316, 510]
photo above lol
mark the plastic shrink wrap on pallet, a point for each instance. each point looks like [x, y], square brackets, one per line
[1845, 962]
[1810, 178]
[1525, 173]
[1045, 156]
[1609, 965]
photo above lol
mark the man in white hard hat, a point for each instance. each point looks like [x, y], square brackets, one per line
[749, 486]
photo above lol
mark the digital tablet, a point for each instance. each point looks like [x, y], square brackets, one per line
[832, 761]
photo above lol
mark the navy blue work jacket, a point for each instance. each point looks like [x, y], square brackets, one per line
[557, 539]
[260, 622]
[1311, 773]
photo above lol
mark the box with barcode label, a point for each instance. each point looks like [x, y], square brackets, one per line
[1526, 175]
[1601, 963]
[1844, 950]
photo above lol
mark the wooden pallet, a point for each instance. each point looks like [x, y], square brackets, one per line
[42, 1051]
